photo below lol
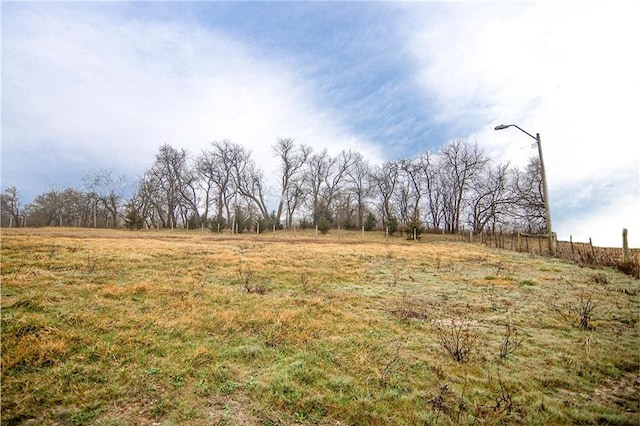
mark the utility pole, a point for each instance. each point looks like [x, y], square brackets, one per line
[545, 196]
[547, 216]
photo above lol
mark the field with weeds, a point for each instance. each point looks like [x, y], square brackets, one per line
[173, 327]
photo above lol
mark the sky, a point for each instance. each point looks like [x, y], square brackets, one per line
[102, 85]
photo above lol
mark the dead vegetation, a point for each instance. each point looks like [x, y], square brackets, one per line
[113, 327]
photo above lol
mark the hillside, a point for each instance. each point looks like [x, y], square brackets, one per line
[175, 327]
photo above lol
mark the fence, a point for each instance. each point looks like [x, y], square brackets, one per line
[583, 253]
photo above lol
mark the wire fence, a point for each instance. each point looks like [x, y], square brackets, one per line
[582, 253]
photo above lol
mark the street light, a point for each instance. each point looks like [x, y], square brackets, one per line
[545, 195]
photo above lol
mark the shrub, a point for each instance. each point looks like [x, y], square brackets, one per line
[392, 224]
[133, 219]
[581, 312]
[268, 223]
[370, 223]
[456, 338]
[245, 278]
[600, 278]
[323, 219]
[194, 222]
[305, 224]
[410, 308]
[348, 223]
[414, 226]
[241, 221]
[217, 224]
[324, 224]
[511, 341]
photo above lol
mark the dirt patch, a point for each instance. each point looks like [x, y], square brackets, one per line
[624, 393]
[227, 409]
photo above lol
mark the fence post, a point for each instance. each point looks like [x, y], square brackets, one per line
[625, 248]
[519, 247]
[593, 251]
[573, 253]
[540, 245]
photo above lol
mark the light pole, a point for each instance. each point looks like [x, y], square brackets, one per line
[545, 195]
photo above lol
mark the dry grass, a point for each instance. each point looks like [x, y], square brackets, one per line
[115, 327]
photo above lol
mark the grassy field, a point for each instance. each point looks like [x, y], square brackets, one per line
[115, 327]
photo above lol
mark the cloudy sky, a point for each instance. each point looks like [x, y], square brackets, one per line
[88, 86]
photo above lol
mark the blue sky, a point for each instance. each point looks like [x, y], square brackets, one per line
[87, 86]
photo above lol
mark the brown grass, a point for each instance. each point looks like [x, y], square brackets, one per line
[116, 327]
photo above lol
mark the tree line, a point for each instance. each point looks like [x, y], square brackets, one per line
[458, 187]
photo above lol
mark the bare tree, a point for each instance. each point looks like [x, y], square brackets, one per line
[325, 178]
[70, 207]
[228, 171]
[217, 166]
[165, 181]
[432, 189]
[204, 167]
[292, 159]
[45, 209]
[317, 171]
[146, 205]
[527, 207]
[190, 195]
[139, 209]
[489, 197]
[109, 191]
[335, 180]
[442, 189]
[11, 207]
[460, 163]
[385, 180]
[250, 183]
[359, 184]
[410, 190]
[73, 208]
[294, 198]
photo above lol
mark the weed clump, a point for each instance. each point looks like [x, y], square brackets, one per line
[600, 278]
[245, 279]
[511, 341]
[410, 308]
[580, 312]
[456, 338]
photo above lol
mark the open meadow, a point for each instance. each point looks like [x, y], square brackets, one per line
[114, 327]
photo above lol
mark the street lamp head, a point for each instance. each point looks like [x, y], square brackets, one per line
[503, 126]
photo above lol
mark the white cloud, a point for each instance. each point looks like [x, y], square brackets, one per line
[563, 69]
[85, 87]
[604, 225]
[108, 91]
